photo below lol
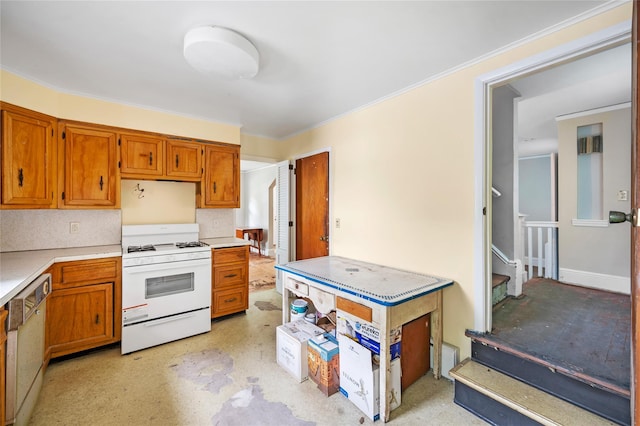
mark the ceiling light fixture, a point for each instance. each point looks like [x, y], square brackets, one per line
[217, 50]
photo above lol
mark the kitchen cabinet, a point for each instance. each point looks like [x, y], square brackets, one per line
[88, 166]
[142, 155]
[229, 281]
[149, 156]
[221, 182]
[184, 160]
[3, 352]
[83, 309]
[28, 159]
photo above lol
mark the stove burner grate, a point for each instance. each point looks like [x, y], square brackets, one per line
[192, 244]
[134, 249]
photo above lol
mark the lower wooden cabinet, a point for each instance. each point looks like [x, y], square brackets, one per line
[83, 309]
[230, 281]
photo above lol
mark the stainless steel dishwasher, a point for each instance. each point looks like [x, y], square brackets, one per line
[25, 349]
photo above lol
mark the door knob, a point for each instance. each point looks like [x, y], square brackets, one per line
[619, 217]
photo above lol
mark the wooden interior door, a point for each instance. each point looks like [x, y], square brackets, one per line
[635, 230]
[312, 206]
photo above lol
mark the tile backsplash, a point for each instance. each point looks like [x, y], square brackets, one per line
[215, 223]
[46, 229]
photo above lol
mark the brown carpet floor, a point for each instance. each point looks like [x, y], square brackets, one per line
[576, 328]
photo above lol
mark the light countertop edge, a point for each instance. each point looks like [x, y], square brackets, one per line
[225, 242]
[19, 268]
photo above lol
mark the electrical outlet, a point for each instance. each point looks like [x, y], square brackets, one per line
[74, 227]
[337, 222]
[623, 195]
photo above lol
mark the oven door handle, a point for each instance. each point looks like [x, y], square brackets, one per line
[168, 319]
[183, 265]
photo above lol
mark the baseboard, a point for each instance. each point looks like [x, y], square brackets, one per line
[606, 282]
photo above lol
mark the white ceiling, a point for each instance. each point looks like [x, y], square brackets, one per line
[318, 60]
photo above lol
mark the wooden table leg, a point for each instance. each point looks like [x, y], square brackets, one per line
[436, 326]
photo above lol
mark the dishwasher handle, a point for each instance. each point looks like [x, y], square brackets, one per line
[27, 302]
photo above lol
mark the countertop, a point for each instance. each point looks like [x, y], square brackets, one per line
[19, 268]
[380, 284]
[226, 242]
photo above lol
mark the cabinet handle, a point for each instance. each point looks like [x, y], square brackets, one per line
[231, 275]
[214, 187]
[101, 183]
[98, 319]
[233, 299]
[20, 177]
[177, 160]
[151, 158]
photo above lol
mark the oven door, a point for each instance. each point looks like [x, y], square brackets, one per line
[156, 291]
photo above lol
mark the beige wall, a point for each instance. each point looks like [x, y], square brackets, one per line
[402, 171]
[402, 176]
[27, 94]
[595, 256]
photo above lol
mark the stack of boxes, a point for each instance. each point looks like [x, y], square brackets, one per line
[350, 362]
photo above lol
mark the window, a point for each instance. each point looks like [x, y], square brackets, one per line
[589, 146]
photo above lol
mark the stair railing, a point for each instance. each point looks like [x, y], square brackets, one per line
[516, 264]
[540, 244]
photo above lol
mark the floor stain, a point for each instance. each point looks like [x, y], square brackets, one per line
[267, 306]
[248, 407]
[210, 368]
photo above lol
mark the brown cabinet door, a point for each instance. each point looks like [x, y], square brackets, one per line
[90, 167]
[141, 155]
[28, 160]
[184, 160]
[79, 318]
[221, 184]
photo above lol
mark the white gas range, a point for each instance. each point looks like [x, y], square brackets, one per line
[166, 284]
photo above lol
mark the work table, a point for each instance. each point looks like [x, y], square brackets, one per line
[386, 297]
[19, 268]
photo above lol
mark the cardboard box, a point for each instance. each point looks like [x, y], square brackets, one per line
[366, 334]
[291, 347]
[324, 363]
[359, 377]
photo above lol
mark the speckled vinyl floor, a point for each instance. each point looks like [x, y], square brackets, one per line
[228, 376]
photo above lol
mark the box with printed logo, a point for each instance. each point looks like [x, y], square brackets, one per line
[366, 334]
[324, 363]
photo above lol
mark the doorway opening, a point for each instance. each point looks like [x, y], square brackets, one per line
[537, 320]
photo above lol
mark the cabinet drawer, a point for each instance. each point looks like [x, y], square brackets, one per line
[227, 302]
[229, 275]
[79, 273]
[230, 255]
[323, 301]
[298, 287]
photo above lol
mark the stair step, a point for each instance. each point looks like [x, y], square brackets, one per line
[499, 288]
[497, 279]
[525, 400]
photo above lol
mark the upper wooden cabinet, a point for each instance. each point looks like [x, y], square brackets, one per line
[221, 182]
[28, 159]
[88, 166]
[141, 155]
[184, 160]
[146, 156]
